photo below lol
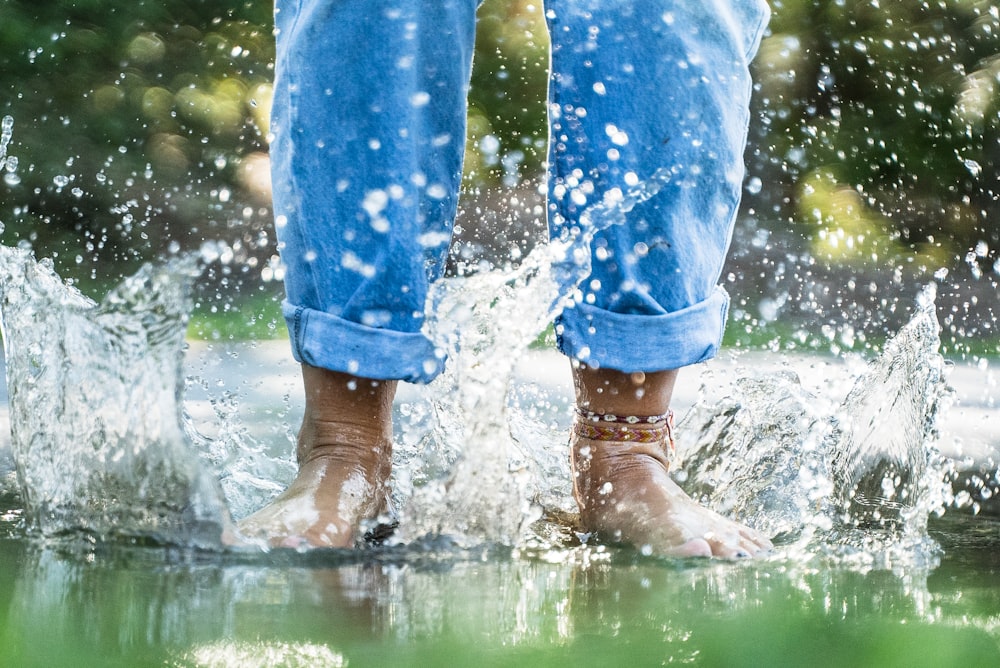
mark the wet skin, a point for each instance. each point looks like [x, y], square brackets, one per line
[345, 459]
[623, 489]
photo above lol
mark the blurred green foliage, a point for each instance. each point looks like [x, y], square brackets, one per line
[135, 125]
[879, 125]
[142, 126]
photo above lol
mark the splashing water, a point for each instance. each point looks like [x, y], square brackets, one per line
[101, 445]
[6, 134]
[876, 448]
[499, 316]
[858, 478]
[489, 485]
[96, 428]
[8, 163]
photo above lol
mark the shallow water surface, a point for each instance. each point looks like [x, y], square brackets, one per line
[429, 605]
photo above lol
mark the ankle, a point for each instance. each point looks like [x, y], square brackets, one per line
[340, 397]
[346, 442]
[346, 417]
[612, 392]
[610, 432]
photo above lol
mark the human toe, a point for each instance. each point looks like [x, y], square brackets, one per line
[736, 545]
[754, 541]
[696, 547]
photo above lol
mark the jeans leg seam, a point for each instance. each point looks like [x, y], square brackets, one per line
[299, 334]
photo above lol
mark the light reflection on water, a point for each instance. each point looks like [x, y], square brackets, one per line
[116, 605]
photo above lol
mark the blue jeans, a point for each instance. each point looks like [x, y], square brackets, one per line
[368, 134]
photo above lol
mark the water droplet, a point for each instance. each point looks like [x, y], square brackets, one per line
[617, 136]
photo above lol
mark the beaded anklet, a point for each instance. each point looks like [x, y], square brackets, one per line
[625, 428]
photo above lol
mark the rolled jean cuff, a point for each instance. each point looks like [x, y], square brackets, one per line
[326, 341]
[633, 342]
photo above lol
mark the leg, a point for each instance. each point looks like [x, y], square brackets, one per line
[648, 101]
[368, 126]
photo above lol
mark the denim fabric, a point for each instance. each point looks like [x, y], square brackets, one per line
[368, 128]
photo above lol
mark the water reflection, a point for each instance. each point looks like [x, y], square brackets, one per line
[119, 604]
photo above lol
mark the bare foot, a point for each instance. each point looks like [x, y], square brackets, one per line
[620, 477]
[345, 455]
[625, 495]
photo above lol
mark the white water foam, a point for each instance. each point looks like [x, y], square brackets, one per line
[95, 406]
